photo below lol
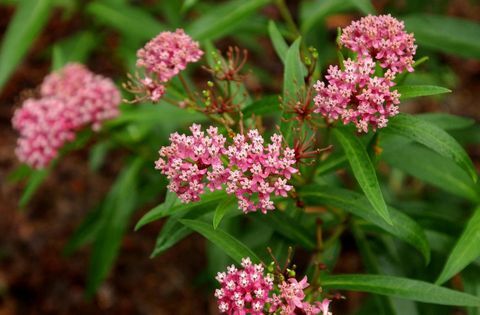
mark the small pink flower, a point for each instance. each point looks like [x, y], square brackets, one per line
[382, 38]
[324, 307]
[244, 290]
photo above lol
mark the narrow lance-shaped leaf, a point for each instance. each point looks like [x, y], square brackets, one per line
[172, 232]
[223, 19]
[265, 105]
[131, 21]
[411, 91]
[115, 215]
[447, 121]
[289, 228]
[363, 170]
[370, 260]
[221, 210]
[34, 182]
[433, 137]
[293, 81]
[278, 41]
[466, 250]
[403, 226]
[400, 287]
[447, 34]
[29, 19]
[229, 244]
[165, 209]
[432, 168]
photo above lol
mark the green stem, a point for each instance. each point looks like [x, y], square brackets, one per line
[285, 13]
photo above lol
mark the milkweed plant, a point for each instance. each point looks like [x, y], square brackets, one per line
[281, 185]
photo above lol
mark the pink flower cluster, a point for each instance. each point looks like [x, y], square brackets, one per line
[191, 161]
[382, 38]
[247, 168]
[292, 299]
[70, 99]
[164, 57]
[255, 169]
[243, 291]
[355, 95]
[249, 291]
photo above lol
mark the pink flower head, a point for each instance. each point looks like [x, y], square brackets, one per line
[256, 169]
[247, 168]
[243, 291]
[70, 99]
[355, 95]
[90, 98]
[162, 58]
[292, 299]
[193, 162]
[167, 54]
[382, 38]
[44, 126]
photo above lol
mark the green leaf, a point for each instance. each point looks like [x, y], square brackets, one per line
[222, 209]
[77, 47]
[433, 137]
[58, 59]
[331, 163]
[165, 209]
[400, 287]
[119, 207]
[230, 245]
[432, 168]
[172, 232]
[370, 260]
[131, 21]
[289, 228]
[446, 121]
[471, 285]
[363, 170]
[447, 34]
[466, 250]
[34, 182]
[265, 105]
[85, 233]
[29, 19]
[279, 43]
[411, 91]
[403, 226]
[222, 19]
[314, 12]
[293, 81]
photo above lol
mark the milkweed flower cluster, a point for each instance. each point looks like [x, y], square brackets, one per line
[292, 299]
[354, 93]
[247, 167]
[245, 290]
[249, 291]
[164, 57]
[70, 99]
[382, 38]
